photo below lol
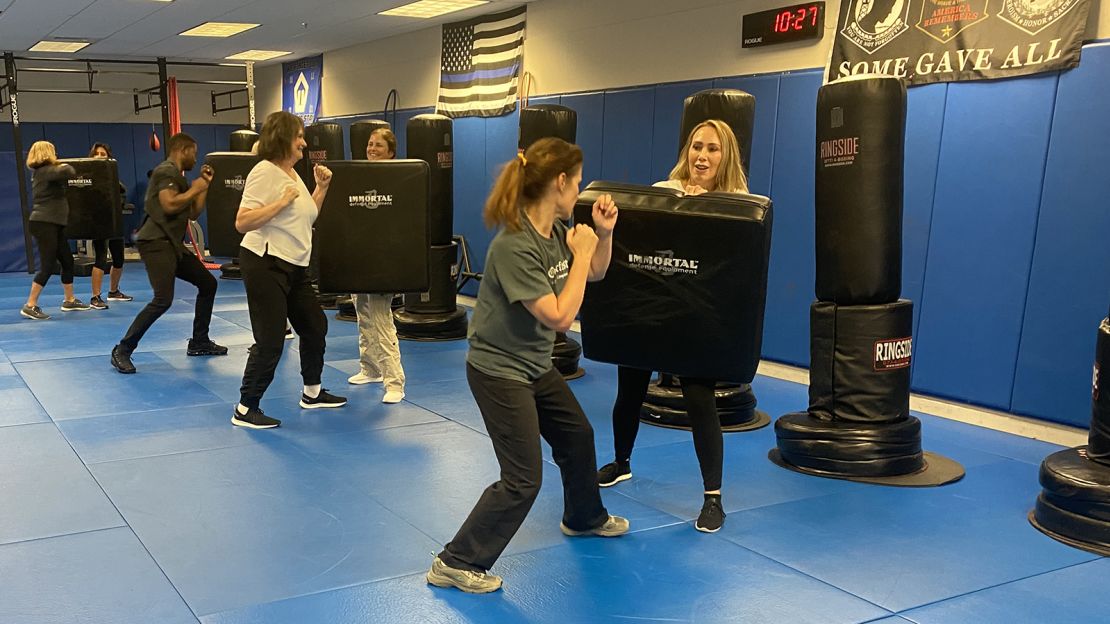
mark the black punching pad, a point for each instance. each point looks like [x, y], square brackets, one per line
[242, 140]
[547, 120]
[1098, 442]
[858, 190]
[1074, 505]
[430, 139]
[224, 196]
[95, 208]
[860, 361]
[732, 106]
[372, 234]
[687, 283]
[325, 142]
[360, 136]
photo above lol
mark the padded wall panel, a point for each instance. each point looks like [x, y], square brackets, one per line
[988, 192]
[667, 122]
[71, 140]
[1069, 285]
[472, 184]
[766, 92]
[591, 123]
[791, 275]
[924, 122]
[626, 149]
[205, 134]
[13, 251]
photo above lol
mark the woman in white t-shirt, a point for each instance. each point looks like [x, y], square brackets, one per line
[276, 216]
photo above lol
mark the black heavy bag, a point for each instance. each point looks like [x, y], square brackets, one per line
[429, 139]
[1098, 442]
[860, 361]
[360, 136]
[95, 206]
[439, 297]
[372, 233]
[547, 120]
[858, 190]
[732, 106]
[325, 142]
[242, 140]
[686, 287]
[224, 196]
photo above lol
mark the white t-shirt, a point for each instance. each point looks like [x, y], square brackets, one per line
[289, 234]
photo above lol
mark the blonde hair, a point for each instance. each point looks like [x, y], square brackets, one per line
[730, 173]
[525, 178]
[41, 153]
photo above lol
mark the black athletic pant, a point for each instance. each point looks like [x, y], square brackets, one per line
[53, 250]
[165, 262]
[701, 406]
[101, 248]
[516, 415]
[277, 290]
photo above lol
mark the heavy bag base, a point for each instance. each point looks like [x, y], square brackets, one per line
[728, 397]
[565, 356]
[1074, 507]
[231, 271]
[430, 327]
[345, 310]
[732, 420]
[939, 470]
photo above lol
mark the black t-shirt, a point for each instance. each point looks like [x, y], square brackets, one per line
[158, 224]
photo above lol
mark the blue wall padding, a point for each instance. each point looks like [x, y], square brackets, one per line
[791, 274]
[591, 122]
[1069, 285]
[766, 92]
[626, 135]
[924, 122]
[13, 252]
[988, 193]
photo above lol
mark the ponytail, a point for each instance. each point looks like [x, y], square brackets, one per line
[525, 178]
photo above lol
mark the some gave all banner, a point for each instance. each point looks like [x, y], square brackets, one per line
[925, 41]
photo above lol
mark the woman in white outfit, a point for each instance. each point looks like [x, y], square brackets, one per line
[378, 353]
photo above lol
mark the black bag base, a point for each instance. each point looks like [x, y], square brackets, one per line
[430, 327]
[565, 356]
[1074, 506]
[82, 267]
[732, 421]
[939, 470]
[729, 397]
[231, 271]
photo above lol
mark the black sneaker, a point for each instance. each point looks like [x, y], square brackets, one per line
[205, 347]
[614, 473]
[712, 515]
[97, 303]
[74, 306]
[33, 312]
[325, 399]
[121, 359]
[116, 295]
[253, 419]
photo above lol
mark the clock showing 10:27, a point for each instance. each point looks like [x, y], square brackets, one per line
[792, 23]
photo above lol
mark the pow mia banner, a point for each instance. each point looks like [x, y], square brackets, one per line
[300, 87]
[924, 41]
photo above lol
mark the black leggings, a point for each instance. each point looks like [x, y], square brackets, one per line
[701, 406]
[102, 247]
[53, 250]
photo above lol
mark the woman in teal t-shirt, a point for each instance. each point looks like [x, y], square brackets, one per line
[535, 277]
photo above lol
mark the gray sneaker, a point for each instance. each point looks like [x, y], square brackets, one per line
[75, 305]
[34, 312]
[443, 575]
[612, 527]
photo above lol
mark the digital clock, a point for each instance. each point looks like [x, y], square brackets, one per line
[792, 23]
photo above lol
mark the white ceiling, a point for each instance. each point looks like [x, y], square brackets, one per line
[145, 28]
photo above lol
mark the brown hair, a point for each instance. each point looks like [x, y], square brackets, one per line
[525, 178]
[41, 153]
[390, 139]
[96, 146]
[276, 139]
[730, 173]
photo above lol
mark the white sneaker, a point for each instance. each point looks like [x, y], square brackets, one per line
[393, 396]
[361, 378]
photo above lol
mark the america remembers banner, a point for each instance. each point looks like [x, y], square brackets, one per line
[924, 41]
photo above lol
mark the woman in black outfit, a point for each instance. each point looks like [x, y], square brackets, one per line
[103, 246]
[49, 215]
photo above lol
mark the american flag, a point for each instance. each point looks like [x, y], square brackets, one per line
[480, 65]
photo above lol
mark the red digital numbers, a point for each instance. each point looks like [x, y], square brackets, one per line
[795, 19]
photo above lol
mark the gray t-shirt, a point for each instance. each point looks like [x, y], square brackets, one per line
[48, 193]
[506, 341]
[158, 224]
